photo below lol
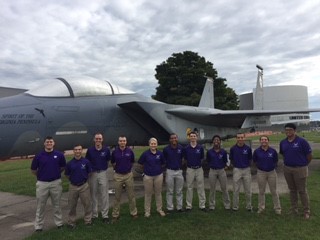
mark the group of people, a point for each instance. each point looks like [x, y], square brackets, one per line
[89, 182]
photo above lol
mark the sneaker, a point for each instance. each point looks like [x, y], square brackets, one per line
[60, 226]
[188, 209]
[88, 224]
[162, 213]
[306, 216]
[235, 209]
[250, 209]
[134, 216]
[71, 226]
[39, 230]
[106, 220]
[211, 209]
[181, 210]
[147, 215]
[170, 211]
[115, 219]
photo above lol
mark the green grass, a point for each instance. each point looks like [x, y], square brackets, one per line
[219, 224]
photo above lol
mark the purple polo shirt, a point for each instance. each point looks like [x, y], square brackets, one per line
[78, 171]
[98, 158]
[194, 155]
[295, 152]
[217, 160]
[123, 160]
[152, 163]
[266, 160]
[173, 157]
[48, 165]
[240, 157]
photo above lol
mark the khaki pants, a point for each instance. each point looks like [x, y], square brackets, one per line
[82, 192]
[220, 175]
[296, 178]
[242, 175]
[195, 175]
[119, 180]
[174, 182]
[152, 183]
[43, 191]
[99, 189]
[271, 178]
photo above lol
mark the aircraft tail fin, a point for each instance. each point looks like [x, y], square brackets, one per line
[207, 97]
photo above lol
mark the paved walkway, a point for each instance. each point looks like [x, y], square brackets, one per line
[17, 212]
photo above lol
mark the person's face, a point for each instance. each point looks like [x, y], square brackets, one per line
[240, 139]
[48, 145]
[173, 139]
[122, 142]
[264, 141]
[193, 137]
[98, 139]
[77, 151]
[153, 145]
[290, 132]
[216, 142]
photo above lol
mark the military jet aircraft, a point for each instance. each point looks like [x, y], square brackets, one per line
[72, 110]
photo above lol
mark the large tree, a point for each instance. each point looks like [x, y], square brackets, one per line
[182, 78]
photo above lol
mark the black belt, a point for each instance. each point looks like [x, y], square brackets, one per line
[194, 167]
[216, 168]
[174, 169]
[79, 184]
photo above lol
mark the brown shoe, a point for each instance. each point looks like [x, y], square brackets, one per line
[134, 216]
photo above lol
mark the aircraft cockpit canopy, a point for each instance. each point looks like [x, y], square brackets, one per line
[77, 87]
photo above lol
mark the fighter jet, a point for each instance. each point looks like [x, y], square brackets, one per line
[72, 110]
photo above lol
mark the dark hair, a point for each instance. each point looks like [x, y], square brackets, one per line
[290, 125]
[193, 132]
[216, 136]
[264, 136]
[48, 138]
[77, 145]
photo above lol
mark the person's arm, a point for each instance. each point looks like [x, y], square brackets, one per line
[309, 157]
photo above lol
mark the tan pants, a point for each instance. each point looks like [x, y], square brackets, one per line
[271, 178]
[195, 175]
[99, 189]
[152, 183]
[43, 191]
[242, 175]
[82, 192]
[296, 178]
[127, 180]
[221, 176]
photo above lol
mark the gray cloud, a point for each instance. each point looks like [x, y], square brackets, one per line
[123, 40]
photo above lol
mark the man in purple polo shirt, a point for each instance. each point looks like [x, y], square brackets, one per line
[194, 155]
[266, 159]
[122, 160]
[99, 155]
[77, 171]
[47, 166]
[241, 158]
[217, 159]
[297, 154]
[173, 153]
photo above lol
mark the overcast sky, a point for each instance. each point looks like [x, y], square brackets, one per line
[123, 40]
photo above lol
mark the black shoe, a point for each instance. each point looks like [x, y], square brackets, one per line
[39, 230]
[169, 211]
[204, 210]
[60, 227]
[181, 210]
[188, 209]
[71, 226]
[106, 220]
[89, 224]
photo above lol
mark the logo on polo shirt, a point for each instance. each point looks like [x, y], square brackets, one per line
[198, 151]
[157, 156]
[103, 154]
[270, 155]
[83, 166]
[245, 151]
[55, 156]
[295, 145]
[178, 150]
[127, 154]
[220, 156]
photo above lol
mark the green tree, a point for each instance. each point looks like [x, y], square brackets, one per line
[182, 78]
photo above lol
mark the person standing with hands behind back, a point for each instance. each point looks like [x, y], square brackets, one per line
[152, 161]
[47, 166]
[297, 154]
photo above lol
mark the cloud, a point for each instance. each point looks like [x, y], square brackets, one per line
[124, 40]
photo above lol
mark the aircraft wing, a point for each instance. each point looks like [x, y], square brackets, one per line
[207, 116]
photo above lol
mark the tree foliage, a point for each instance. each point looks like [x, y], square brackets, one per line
[182, 78]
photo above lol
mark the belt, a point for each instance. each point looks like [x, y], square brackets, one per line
[174, 169]
[216, 168]
[79, 184]
[194, 167]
